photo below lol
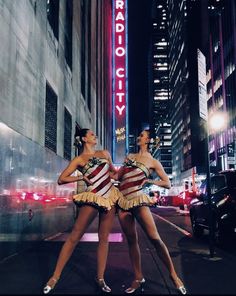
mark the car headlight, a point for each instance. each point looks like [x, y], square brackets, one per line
[223, 201]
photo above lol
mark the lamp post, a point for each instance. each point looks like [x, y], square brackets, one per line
[208, 190]
[216, 122]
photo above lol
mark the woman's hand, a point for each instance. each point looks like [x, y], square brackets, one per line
[114, 175]
[87, 181]
[145, 181]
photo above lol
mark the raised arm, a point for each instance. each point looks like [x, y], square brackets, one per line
[164, 179]
[113, 171]
[65, 176]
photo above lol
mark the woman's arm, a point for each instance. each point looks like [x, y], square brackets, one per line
[65, 176]
[164, 179]
[113, 171]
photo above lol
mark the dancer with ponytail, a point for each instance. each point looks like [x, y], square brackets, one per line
[99, 198]
[134, 205]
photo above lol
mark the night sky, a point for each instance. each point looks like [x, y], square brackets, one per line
[139, 28]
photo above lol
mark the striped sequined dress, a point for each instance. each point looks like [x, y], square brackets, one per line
[131, 186]
[102, 194]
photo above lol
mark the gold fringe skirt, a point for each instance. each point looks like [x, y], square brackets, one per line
[141, 200]
[97, 201]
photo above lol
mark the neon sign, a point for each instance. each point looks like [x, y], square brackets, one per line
[120, 78]
[120, 134]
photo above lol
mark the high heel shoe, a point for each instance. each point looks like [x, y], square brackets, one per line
[179, 285]
[102, 285]
[50, 285]
[136, 286]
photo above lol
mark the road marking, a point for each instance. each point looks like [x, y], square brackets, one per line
[53, 236]
[8, 257]
[88, 237]
[185, 232]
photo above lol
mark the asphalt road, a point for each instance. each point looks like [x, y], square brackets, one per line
[28, 271]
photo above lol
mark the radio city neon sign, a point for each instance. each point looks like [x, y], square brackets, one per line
[120, 57]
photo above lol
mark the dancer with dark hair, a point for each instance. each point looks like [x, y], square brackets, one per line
[100, 198]
[134, 205]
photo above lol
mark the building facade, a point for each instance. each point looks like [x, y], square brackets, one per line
[221, 83]
[55, 65]
[159, 85]
[188, 134]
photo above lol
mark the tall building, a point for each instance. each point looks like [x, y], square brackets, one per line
[159, 84]
[188, 33]
[221, 82]
[139, 32]
[55, 65]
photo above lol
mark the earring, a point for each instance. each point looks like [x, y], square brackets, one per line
[78, 140]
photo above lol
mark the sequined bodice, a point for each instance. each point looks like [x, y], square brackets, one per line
[134, 174]
[97, 171]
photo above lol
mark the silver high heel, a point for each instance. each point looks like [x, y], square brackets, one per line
[136, 286]
[48, 288]
[102, 285]
[181, 289]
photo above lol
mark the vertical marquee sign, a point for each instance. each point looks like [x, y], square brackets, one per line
[120, 81]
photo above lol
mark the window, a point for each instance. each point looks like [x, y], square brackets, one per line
[86, 51]
[83, 34]
[51, 119]
[89, 55]
[217, 183]
[67, 134]
[68, 32]
[53, 15]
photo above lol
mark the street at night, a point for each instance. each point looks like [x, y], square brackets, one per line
[26, 272]
[120, 109]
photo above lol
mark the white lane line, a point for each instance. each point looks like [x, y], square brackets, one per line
[53, 236]
[8, 257]
[90, 237]
[185, 232]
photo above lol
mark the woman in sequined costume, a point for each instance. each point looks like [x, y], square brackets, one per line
[100, 198]
[135, 205]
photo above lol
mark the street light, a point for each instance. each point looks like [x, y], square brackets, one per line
[216, 122]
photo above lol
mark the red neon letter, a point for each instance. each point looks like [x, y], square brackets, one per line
[120, 96]
[119, 28]
[120, 4]
[120, 109]
[120, 16]
[118, 72]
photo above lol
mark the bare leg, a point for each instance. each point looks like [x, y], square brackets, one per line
[106, 220]
[127, 223]
[145, 219]
[85, 217]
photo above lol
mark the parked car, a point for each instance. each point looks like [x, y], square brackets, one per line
[223, 207]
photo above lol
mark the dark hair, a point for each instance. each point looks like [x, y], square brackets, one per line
[79, 135]
[151, 134]
[155, 140]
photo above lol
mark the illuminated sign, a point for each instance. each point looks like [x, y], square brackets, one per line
[120, 134]
[120, 79]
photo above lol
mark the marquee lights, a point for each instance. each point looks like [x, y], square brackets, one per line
[119, 78]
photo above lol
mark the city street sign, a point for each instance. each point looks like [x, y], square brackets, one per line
[202, 92]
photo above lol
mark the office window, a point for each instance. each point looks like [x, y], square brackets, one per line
[51, 119]
[68, 32]
[53, 15]
[89, 55]
[83, 34]
[67, 134]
